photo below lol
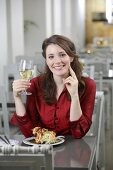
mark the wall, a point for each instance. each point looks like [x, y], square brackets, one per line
[34, 10]
[3, 38]
[11, 33]
[54, 17]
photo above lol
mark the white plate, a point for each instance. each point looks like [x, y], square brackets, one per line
[31, 141]
[12, 141]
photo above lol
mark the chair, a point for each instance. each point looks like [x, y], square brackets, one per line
[101, 66]
[5, 127]
[11, 72]
[26, 158]
[89, 71]
[97, 113]
[97, 128]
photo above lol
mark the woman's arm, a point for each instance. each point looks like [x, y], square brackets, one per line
[81, 126]
[23, 117]
[72, 86]
[81, 109]
[75, 105]
[19, 86]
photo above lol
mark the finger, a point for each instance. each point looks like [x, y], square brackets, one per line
[72, 72]
[69, 80]
[20, 87]
[21, 82]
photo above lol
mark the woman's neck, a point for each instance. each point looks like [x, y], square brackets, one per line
[59, 80]
[59, 86]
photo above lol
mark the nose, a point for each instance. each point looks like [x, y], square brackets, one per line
[57, 59]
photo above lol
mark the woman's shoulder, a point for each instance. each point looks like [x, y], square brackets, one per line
[90, 85]
[36, 84]
[37, 79]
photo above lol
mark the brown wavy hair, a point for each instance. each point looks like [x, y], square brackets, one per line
[48, 84]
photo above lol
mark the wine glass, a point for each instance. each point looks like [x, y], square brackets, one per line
[26, 72]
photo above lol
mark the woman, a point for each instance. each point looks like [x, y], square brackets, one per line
[62, 99]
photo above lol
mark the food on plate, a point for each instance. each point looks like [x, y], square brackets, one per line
[43, 135]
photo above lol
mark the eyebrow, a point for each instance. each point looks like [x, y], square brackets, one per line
[62, 52]
[51, 54]
[58, 53]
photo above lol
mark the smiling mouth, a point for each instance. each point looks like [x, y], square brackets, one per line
[58, 67]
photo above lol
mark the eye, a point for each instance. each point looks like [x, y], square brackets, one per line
[62, 54]
[50, 56]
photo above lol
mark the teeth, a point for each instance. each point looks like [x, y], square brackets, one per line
[58, 67]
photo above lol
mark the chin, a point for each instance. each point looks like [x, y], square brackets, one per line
[60, 74]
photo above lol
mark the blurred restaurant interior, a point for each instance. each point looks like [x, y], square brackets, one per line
[24, 24]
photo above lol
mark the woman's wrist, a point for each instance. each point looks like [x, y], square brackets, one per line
[74, 96]
[17, 96]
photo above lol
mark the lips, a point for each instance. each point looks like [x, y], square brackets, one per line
[58, 67]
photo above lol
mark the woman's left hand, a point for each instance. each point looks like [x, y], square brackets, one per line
[71, 83]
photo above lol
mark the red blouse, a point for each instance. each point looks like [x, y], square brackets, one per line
[56, 116]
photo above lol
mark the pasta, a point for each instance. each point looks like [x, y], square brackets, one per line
[43, 135]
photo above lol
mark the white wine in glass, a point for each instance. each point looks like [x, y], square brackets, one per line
[26, 71]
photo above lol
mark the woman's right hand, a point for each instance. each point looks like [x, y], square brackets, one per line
[19, 86]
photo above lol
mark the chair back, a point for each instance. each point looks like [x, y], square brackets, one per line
[4, 112]
[26, 158]
[5, 127]
[11, 72]
[97, 127]
[97, 115]
[101, 65]
[89, 71]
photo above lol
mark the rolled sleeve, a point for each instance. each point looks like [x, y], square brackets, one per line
[80, 127]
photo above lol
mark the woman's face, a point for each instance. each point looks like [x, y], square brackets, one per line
[57, 60]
